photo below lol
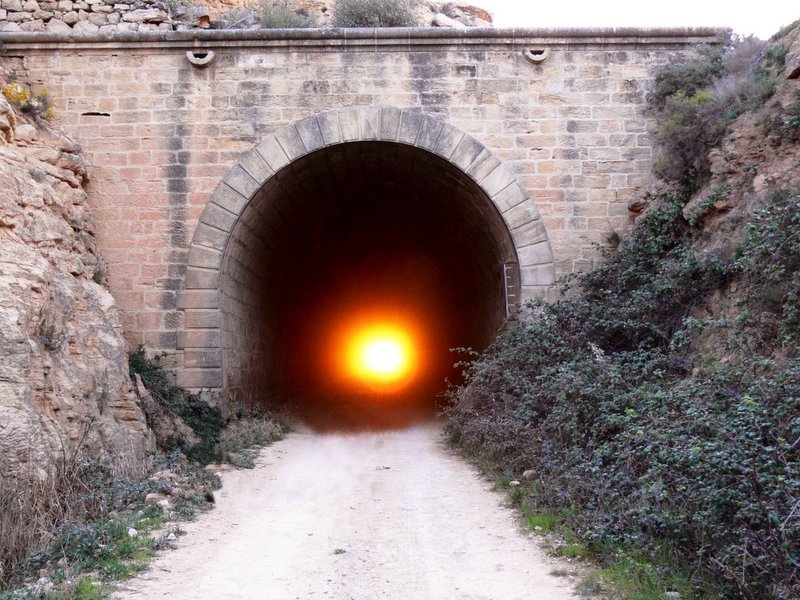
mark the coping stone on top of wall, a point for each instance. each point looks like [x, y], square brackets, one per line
[366, 39]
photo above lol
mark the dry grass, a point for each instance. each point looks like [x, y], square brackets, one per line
[241, 438]
[36, 505]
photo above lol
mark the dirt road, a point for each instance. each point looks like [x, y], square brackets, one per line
[363, 516]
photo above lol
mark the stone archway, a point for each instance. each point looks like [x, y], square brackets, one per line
[433, 175]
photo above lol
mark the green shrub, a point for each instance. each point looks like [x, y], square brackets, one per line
[689, 76]
[694, 101]
[235, 441]
[770, 263]
[206, 421]
[374, 13]
[277, 15]
[76, 520]
[644, 454]
[791, 120]
[785, 31]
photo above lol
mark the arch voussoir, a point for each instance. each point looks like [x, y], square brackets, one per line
[467, 151]
[531, 232]
[499, 179]
[508, 197]
[520, 215]
[330, 128]
[291, 142]
[483, 166]
[410, 125]
[429, 133]
[240, 181]
[390, 124]
[310, 134]
[369, 120]
[255, 166]
[208, 235]
[449, 139]
[229, 200]
[203, 257]
[273, 153]
[349, 124]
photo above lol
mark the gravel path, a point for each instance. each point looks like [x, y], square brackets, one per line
[364, 516]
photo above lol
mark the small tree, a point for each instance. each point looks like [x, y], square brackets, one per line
[375, 13]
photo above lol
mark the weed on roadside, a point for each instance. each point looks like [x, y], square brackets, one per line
[75, 530]
[243, 437]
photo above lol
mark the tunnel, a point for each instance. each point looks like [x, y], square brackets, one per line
[358, 235]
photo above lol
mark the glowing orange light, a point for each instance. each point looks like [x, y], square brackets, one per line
[380, 355]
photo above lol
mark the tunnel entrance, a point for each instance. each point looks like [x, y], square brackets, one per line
[360, 235]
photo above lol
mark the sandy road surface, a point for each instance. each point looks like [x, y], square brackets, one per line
[363, 516]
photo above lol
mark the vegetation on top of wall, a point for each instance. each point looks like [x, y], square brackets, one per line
[277, 15]
[375, 13]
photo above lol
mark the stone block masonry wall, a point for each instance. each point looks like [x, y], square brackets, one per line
[65, 16]
[160, 133]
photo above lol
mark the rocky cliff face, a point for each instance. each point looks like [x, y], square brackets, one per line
[88, 16]
[63, 361]
[759, 154]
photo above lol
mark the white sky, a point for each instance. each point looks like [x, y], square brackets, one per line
[759, 17]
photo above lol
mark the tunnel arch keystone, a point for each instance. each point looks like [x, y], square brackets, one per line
[230, 207]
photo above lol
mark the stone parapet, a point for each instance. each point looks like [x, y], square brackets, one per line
[411, 38]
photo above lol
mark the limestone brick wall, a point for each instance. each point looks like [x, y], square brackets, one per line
[161, 133]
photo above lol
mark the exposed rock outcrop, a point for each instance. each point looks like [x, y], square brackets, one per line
[63, 361]
[86, 16]
[759, 154]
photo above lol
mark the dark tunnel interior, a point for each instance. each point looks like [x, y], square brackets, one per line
[359, 234]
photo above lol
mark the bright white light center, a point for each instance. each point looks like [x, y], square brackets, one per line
[383, 357]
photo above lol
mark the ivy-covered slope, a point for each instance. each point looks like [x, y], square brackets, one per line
[655, 410]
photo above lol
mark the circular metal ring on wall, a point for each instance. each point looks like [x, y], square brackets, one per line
[200, 58]
[536, 55]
